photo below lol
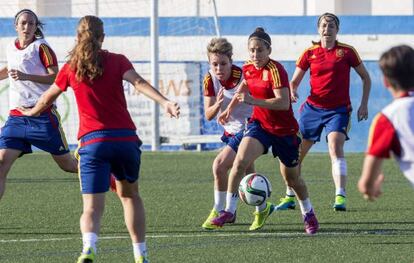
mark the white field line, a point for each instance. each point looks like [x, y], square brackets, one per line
[212, 234]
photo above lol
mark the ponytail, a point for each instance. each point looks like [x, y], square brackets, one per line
[85, 58]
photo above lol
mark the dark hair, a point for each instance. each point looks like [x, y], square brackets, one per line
[260, 34]
[397, 65]
[39, 25]
[331, 16]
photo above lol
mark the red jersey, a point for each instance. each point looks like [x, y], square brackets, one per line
[261, 83]
[101, 104]
[383, 138]
[329, 74]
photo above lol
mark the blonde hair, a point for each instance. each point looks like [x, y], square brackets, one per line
[85, 57]
[220, 46]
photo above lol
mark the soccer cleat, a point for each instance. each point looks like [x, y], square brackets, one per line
[87, 257]
[340, 203]
[142, 259]
[224, 218]
[207, 224]
[287, 202]
[260, 217]
[311, 223]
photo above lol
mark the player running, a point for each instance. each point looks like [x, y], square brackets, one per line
[272, 124]
[220, 84]
[328, 106]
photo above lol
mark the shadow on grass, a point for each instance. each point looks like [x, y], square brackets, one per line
[42, 180]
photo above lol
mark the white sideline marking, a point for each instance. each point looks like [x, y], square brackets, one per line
[212, 234]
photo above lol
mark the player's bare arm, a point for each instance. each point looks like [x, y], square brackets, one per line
[44, 102]
[371, 179]
[212, 104]
[3, 73]
[141, 85]
[294, 83]
[43, 79]
[281, 101]
[366, 87]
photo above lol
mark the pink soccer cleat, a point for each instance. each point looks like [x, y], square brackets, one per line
[311, 223]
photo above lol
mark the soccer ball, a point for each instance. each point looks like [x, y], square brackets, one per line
[254, 189]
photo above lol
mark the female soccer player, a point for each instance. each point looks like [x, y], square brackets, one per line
[31, 68]
[106, 133]
[392, 130]
[220, 85]
[328, 105]
[272, 125]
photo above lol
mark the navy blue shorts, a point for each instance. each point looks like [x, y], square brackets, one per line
[232, 140]
[44, 132]
[312, 120]
[106, 151]
[286, 148]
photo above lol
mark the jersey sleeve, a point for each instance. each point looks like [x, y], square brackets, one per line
[354, 58]
[279, 76]
[208, 86]
[47, 56]
[125, 64]
[382, 138]
[62, 78]
[303, 62]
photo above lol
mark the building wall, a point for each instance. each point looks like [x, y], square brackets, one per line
[141, 8]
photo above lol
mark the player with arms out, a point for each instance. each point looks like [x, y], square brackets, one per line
[272, 124]
[329, 105]
[31, 68]
[220, 85]
[392, 130]
[108, 140]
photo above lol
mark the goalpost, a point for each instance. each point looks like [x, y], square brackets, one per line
[173, 60]
[155, 142]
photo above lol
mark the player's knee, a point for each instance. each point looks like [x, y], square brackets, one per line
[240, 165]
[127, 191]
[219, 169]
[69, 165]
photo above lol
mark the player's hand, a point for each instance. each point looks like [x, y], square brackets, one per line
[27, 111]
[172, 109]
[244, 97]
[220, 97]
[294, 96]
[223, 118]
[371, 191]
[362, 112]
[17, 75]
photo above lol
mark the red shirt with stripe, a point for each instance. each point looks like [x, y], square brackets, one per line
[261, 83]
[233, 81]
[101, 103]
[329, 74]
[383, 138]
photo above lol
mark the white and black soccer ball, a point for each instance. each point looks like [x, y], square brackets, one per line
[254, 189]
